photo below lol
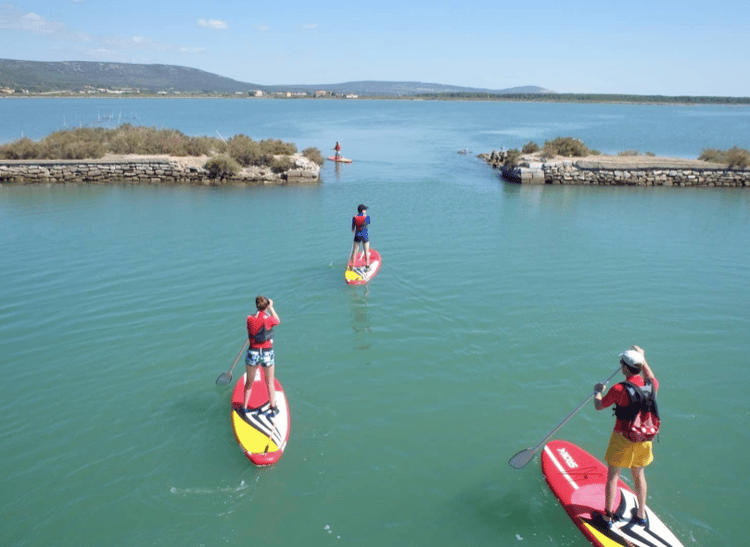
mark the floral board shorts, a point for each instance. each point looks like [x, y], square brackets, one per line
[624, 453]
[260, 356]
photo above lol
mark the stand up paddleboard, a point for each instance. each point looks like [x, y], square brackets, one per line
[262, 439]
[339, 159]
[577, 480]
[358, 275]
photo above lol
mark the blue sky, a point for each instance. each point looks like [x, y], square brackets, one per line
[607, 46]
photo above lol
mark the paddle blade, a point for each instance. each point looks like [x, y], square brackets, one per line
[522, 458]
[224, 378]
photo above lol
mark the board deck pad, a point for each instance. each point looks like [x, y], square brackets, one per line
[261, 438]
[577, 479]
[339, 160]
[358, 275]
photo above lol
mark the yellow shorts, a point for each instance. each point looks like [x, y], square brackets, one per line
[624, 453]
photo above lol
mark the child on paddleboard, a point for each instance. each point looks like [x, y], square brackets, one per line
[623, 453]
[260, 352]
[360, 222]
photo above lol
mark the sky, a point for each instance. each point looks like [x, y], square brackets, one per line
[642, 47]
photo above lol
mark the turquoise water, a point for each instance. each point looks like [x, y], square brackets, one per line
[496, 310]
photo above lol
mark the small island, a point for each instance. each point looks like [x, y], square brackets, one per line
[567, 161]
[143, 155]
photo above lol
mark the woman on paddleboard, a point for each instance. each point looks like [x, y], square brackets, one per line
[623, 453]
[260, 352]
[337, 148]
[360, 222]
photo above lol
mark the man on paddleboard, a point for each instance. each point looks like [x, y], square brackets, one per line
[337, 148]
[260, 352]
[360, 222]
[623, 453]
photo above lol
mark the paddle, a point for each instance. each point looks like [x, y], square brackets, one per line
[525, 456]
[226, 377]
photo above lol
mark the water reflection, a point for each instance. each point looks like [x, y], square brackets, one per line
[360, 316]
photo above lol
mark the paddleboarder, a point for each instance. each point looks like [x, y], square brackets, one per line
[360, 222]
[260, 352]
[623, 453]
[337, 148]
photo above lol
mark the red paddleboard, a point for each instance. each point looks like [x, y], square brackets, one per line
[339, 159]
[261, 438]
[577, 480]
[358, 275]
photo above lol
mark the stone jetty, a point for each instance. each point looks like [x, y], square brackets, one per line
[149, 170]
[619, 171]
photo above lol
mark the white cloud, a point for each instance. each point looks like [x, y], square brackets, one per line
[15, 19]
[261, 28]
[310, 26]
[215, 24]
[191, 50]
[138, 42]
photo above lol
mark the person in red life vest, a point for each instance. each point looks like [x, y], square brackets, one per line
[360, 222]
[337, 148]
[260, 353]
[623, 453]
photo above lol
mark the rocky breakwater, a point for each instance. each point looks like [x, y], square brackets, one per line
[150, 170]
[618, 171]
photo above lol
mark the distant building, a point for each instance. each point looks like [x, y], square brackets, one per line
[321, 93]
[255, 93]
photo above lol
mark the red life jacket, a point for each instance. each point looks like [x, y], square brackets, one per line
[359, 222]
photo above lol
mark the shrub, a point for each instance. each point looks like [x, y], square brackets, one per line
[314, 155]
[247, 152]
[734, 157]
[530, 147]
[221, 166]
[276, 147]
[566, 146]
[512, 158]
[630, 153]
[738, 157]
[22, 149]
[282, 164]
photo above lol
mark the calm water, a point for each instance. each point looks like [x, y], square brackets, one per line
[497, 309]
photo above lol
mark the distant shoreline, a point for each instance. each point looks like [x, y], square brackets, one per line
[729, 102]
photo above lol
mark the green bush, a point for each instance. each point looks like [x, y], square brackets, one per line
[565, 146]
[247, 152]
[220, 167]
[512, 158]
[530, 147]
[738, 157]
[629, 153]
[22, 149]
[314, 155]
[282, 164]
[276, 147]
[734, 157]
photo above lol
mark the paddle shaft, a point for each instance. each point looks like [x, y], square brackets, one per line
[236, 360]
[579, 407]
[524, 456]
[228, 374]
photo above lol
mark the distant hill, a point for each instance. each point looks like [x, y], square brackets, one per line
[42, 77]
[394, 89]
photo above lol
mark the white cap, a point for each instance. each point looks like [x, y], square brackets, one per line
[632, 358]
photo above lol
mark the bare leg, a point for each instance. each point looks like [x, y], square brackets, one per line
[610, 490]
[249, 382]
[352, 255]
[270, 374]
[641, 489]
[366, 252]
